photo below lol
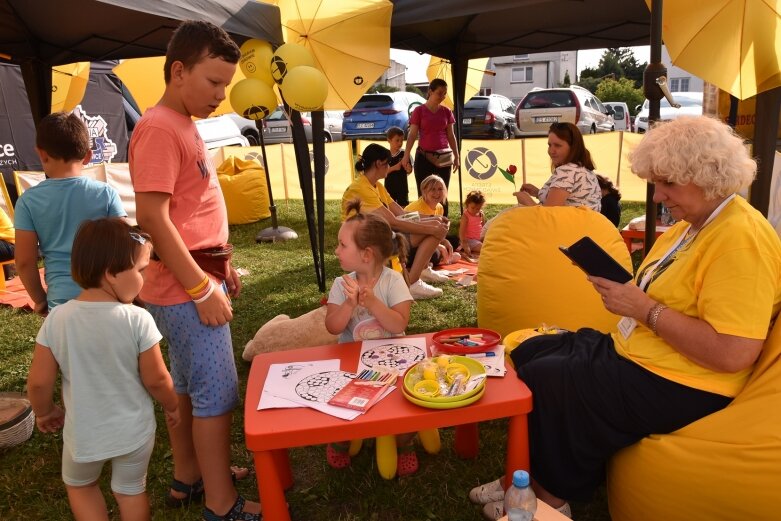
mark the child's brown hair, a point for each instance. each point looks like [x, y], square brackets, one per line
[63, 136]
[393, 132]
[101, 246]
[195, 40]
[475, 197]
[373, 231]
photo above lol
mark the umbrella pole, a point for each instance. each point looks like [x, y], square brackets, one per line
[275, 233]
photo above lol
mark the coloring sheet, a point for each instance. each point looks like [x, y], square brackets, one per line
[392, 353]
[284, 377]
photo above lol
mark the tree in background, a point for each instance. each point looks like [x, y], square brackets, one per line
[567, 81]
[616, 62]
[622, 89]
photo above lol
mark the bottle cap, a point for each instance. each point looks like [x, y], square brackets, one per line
[521, 478]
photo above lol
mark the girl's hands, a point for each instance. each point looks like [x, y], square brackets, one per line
[172, 417]
[51, 422]
[351, 290]
[366, 296]
[530, 189]
[524, 199]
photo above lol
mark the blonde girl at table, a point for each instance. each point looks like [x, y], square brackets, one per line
[370, 301]
[429, 204]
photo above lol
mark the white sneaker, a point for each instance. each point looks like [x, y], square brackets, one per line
[488, 493]
[454, 258]
[421, 291]
[429, 275]
[494, 510]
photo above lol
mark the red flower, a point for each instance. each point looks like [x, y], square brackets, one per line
[512, 169]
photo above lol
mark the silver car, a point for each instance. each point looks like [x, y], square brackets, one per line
[277, 129]
[541, 107]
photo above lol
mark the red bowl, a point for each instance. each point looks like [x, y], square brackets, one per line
[489, 340]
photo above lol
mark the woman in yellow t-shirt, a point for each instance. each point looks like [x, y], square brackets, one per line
[694, 320]
[430, 205]
[7, 239]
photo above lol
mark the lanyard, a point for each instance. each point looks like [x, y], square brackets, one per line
[657, 268]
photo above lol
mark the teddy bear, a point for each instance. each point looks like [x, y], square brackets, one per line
[282, 333]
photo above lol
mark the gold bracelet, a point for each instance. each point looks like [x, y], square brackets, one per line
[201, 285]
[653, 316]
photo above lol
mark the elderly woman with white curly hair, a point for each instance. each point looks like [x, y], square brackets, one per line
[694, 321]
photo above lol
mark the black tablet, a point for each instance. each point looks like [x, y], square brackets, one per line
[592, 259]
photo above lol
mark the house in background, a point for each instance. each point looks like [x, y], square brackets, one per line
[516, 75]
[679, 80]
[394, 76]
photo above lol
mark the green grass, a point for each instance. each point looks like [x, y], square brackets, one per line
[281, 279]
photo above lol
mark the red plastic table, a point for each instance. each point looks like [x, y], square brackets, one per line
[630, 236]
[270, 433]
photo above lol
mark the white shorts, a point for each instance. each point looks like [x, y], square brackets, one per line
[128, 472]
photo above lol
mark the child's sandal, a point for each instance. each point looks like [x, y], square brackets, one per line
[338, 455]
[192, 493]
[236, 513]
[407, 462]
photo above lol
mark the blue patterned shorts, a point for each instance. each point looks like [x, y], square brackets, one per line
[201, 357]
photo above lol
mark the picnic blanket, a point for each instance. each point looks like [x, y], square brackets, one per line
[16, 296]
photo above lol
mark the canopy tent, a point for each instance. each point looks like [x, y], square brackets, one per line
[31, 35]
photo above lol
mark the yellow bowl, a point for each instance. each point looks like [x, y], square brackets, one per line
[430, 404]
[473, 368]
[426, 389]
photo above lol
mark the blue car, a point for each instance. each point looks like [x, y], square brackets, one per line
[374, 114]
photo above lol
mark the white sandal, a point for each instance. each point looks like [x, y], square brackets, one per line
[488, 493]
[494, 510]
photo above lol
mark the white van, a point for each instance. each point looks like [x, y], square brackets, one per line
[621, 116]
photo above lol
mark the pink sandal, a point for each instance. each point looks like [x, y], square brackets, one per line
[407, 463]
[338, 455]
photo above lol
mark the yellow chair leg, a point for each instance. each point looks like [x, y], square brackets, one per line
[355, 447]
[429, 438]
[387, 458]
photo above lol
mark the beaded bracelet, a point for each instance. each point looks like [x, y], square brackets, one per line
[200, 287]
[653, 316]
[206, 295]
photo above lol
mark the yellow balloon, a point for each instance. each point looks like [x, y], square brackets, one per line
[305, 88]
[253, 99]
[287, 57]
[255, 61]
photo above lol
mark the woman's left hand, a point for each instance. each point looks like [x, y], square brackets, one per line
[626, 300]
[456, 162]
[524, 199]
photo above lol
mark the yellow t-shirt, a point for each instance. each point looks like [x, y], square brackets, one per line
[729, 276]
[7, 232]
[372, 197]
[423, 208]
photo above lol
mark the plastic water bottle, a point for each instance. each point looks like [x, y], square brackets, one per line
[520, 503]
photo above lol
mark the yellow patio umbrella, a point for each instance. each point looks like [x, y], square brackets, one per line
[441, 68]
[69, 83]
[734, 44]
[349, 39]
[144, 79]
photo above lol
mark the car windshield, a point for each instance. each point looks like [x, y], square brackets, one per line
[684, 101]
[373, 101]
[547, 100]
[477, 103]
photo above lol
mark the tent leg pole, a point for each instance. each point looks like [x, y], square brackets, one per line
[275, 233]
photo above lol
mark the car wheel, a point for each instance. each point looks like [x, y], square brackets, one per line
[506, 134]
[253, 138]
[592, 130]
[327, 137]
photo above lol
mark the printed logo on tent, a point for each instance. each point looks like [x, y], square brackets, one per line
[7, 155]
[481, 163]
[103, 148]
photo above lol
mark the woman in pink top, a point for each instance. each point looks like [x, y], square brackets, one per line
[437, 151]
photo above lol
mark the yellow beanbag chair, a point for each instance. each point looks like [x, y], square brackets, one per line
[525, 281]
[726, 466]
[244, 188]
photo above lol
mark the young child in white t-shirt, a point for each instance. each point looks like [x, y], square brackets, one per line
[108, 353]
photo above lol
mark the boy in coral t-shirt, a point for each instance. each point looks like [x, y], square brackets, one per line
[180, 204]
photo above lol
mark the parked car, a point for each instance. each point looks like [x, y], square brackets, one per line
[621, 117]
[277, 129]
[220, 131]
[375, 113]
[691, 105]
[541, 107]
[490, 116]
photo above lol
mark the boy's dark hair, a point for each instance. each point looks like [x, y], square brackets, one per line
[578, 153]
[606, 184]
[373, 152]
[393, 132]
[475, 196]
[195, 40]
[104, 245]
[373, 231]
[63, 136]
